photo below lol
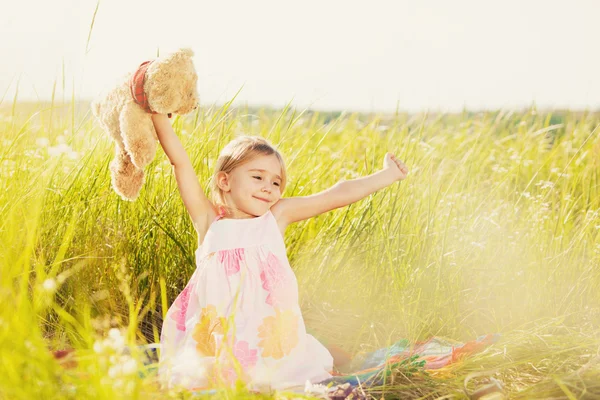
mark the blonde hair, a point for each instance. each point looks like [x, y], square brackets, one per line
[238, 152]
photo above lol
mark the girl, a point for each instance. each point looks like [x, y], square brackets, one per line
[239, 318]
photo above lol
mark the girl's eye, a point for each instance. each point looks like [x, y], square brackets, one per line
[257, 177]
[276, 184]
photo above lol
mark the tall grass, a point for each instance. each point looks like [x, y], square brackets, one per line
[496, 229]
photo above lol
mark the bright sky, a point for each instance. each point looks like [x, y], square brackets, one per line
[327, 54]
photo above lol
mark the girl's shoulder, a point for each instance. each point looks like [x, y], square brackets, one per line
[277, 212]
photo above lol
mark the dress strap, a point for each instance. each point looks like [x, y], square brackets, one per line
[221, 213]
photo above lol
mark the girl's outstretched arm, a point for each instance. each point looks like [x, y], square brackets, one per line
[293, 209]
[199, 207]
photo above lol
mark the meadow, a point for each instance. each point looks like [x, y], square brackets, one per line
[495, 230]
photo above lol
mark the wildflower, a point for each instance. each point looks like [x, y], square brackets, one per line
[122, 366]
[499, 169]
[49, 285]
[32, 154]
[9, 164]
[115, 371]
[515, 156]
[59, 149]
[314, 388]
[129, 366]
[98, 347]
[115, 339]
[545, 184]
[42, 142]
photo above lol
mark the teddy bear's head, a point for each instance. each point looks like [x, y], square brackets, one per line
[171, 83]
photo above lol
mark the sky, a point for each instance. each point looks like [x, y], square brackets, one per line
[373, 55]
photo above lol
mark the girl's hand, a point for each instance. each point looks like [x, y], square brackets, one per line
[395, 166]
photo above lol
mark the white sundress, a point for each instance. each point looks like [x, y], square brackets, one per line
[239, 317]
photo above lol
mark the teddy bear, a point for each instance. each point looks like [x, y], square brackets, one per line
[165, 85]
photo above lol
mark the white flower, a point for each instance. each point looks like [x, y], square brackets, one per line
[59, 149]
[129, 366]
[98, 346]
[116, 340]
[32, 154]
[114, 333]
[49, 285]
[115, 371]
[8, 164]
[316, 388]
[499, 169]
[42, 142]
[545, 184]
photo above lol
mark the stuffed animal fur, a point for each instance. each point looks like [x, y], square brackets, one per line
[165, 85]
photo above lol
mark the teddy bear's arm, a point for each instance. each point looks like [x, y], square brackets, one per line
[199, 207]
[138, 134]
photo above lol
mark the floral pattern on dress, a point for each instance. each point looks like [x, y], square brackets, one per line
[231, 260]
[274, 281]
[279, 334]
[208, 323]
[180, 308]
[247, 357]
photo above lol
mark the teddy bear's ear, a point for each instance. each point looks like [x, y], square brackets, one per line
[186, 52]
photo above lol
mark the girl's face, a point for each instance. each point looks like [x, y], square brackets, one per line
[254, 187]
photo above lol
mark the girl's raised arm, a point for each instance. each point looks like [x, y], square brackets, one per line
[293, 209]
[199, 207]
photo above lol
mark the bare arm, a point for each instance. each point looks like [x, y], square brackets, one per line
[199, 207]
[341, 194]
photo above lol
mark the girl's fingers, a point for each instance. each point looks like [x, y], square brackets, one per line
[401, 166]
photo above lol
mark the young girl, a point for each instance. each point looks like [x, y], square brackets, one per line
[239, 316]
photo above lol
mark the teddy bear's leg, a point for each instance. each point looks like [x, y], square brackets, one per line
[138, 134]
[127, 179]
[108, 117]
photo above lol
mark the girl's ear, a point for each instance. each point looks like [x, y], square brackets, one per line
[223, 181]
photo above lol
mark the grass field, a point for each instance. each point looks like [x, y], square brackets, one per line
[496, 230]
